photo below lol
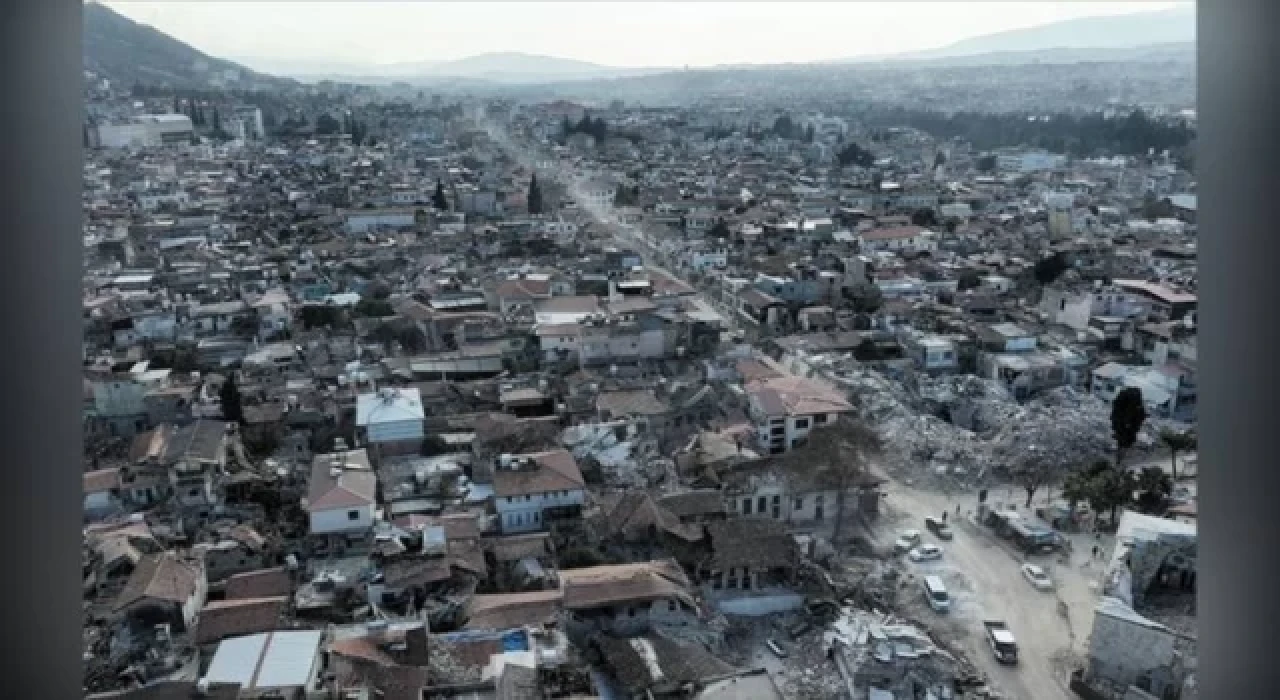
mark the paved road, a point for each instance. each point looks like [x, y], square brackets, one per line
[984, 578]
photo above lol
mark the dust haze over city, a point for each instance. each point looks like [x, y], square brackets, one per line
[693, 351]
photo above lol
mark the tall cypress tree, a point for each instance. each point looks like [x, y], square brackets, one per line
[229, 396]
[438, 200]
[535, 195]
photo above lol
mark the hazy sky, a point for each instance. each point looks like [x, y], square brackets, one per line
[272, 34]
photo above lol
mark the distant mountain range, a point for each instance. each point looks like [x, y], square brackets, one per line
[1069, 38]
[501, 67]
[127, 52]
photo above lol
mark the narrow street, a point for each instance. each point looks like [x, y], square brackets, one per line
[984, 579]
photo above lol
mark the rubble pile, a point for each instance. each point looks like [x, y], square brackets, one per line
[808, 672]
[634, 462]
[967, 426]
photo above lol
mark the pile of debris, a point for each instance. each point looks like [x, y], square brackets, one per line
[969, 427]
[629, 460]
[877, 650]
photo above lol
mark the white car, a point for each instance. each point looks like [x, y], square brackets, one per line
[925, 552]
[1037, 577]
[907, 540]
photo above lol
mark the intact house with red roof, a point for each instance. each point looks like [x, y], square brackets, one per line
[530, 489]
[342, 496]
[784, 409]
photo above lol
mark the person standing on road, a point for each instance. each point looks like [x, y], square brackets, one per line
[944, 516]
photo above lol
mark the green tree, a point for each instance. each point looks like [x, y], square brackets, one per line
[1110, 489]
[867, 351]
[985, 164]
[1177, 441]
[217, 124]
[1078, 486]
[839, 455]
[438, 200]
[434, 445]
[374, 308]
[865, 298]
[853, 154]
[809, 134]
[783, 127]
[320, 316]
[1154, 488]
[1034, 471]
[939, 158]
[326, 124]
[1049, 269]
[1128, 413]
[924, 217]
[719, 230]
[968, 278]
[229, 397]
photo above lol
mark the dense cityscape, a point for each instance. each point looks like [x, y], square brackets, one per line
[868, 382]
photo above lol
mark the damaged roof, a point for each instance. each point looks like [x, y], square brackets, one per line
[602, 586]
[499, 611]
[753, 543]
[232, 618]
[699, 502]
[635, 402]
[161, 577]
[651, 660]
[201, 441]
[264, 583]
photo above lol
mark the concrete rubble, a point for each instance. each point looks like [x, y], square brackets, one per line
[969, 427]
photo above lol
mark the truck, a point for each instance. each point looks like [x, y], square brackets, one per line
[1003, 645]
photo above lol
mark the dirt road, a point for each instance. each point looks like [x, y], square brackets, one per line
[985, 582]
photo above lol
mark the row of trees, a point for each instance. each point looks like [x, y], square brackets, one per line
[596, 128]
[1105, 486]
[853, 154]
[1080, 135]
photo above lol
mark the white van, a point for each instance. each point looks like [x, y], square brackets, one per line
[936, 593]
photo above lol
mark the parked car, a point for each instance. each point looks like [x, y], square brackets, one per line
[940, 529]
[925, 552]
[906, 541]
[777, 649]
[1037, 577]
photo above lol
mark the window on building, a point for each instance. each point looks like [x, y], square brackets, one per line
[762, 504]
[799, 503]
[353, 515]
[820, 419]
[746, 506]
[671, 605]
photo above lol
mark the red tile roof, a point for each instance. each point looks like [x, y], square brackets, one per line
[264, 583]
[554, 470]
[233, 618]
[101, 480]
